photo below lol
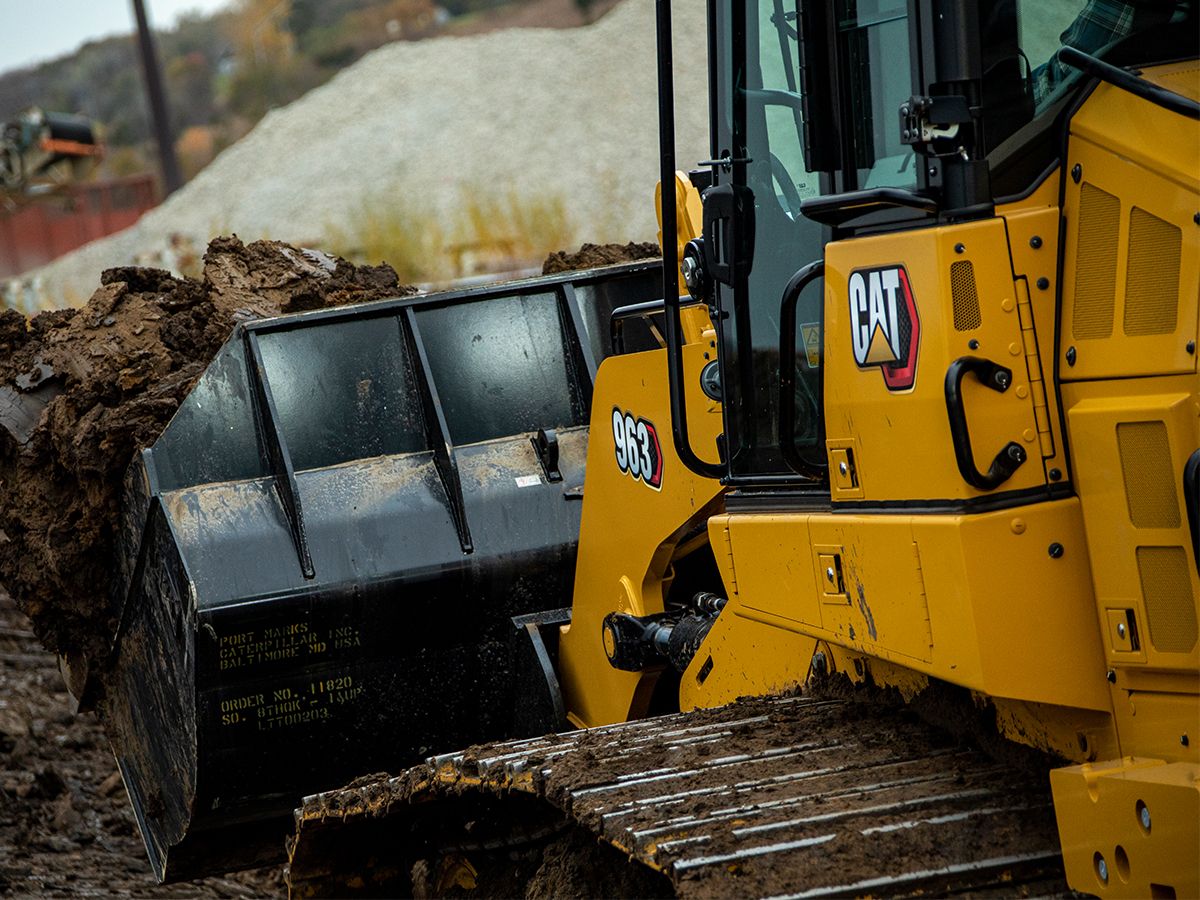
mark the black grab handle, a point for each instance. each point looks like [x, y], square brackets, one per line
[1009, 459]
[787, 369]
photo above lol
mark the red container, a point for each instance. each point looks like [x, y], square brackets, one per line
[44, 229]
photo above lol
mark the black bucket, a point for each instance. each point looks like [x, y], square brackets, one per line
[323, 552]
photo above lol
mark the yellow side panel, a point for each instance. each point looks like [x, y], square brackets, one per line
[998, 602]
[847, 552]
[1140, 131]
[1157, 718]
[1131, 269]
[1029, 604]
[966, 304]
[1182, 78]
[1131, 439]
[1130, 451]
[747, 654]
[1130, 827]
[630, 529]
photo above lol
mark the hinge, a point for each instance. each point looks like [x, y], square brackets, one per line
[1033, 365]
[931, 125]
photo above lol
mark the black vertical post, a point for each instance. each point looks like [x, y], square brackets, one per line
[673, 327]
[966, 184]
[152, 74]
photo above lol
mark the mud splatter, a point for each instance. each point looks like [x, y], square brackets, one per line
[866, 611]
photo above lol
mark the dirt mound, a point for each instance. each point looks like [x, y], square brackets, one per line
[66, 826]
[589, 256]
[81, 390]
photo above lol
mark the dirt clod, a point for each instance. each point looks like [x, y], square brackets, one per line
[82, 390]
[589, 256]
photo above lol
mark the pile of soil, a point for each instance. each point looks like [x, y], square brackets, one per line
[66, 825]
[589, 256]
[82, 390]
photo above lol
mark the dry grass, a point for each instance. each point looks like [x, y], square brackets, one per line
[485, 232]
[24, 295]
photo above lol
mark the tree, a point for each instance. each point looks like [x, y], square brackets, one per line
[267, 70]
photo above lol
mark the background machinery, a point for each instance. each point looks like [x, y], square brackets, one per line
[37, 147]
[928, 434]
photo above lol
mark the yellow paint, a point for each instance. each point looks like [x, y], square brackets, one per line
[1033, 230]
[1182, 78]
[751, 656]
[1140, 816]
[1132, 402]
[630, 533]
[689, 215]
[1098, 415]
[887, 430]
[922, 592]
[1147, 158]
[1059, 643]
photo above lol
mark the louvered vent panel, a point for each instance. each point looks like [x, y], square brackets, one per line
[965, 296]
[1149, 476]
[1095, 264]
[1167, 591]
[1152, 279]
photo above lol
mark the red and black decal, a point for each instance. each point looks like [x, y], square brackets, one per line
[884, 325]
[638, 451]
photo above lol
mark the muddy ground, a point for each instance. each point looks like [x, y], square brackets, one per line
[66, 827]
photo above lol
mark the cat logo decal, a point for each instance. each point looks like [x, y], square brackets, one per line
[884, 324]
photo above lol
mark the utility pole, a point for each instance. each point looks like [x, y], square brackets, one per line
[160, 119]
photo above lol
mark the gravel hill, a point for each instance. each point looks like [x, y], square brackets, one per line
[549, 113]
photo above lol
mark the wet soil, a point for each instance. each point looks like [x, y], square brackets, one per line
[81, 390]
[66, 826]
[578, 865]
[571, 865]
[590, 256]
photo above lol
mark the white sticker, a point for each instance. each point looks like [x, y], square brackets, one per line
[529, 480]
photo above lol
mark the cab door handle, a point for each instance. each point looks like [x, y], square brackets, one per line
[1011, 456]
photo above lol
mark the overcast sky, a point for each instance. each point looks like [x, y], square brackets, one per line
[36, 30]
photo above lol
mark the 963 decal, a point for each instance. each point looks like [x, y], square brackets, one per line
[639, 454]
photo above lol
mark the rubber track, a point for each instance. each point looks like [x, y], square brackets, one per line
[790, 797]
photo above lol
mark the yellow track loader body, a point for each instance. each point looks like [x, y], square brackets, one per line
[925, 429]
[999, 498]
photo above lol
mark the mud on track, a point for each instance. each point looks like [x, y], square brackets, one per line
[764, 797]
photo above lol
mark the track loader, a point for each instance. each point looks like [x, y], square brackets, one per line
[923, 430]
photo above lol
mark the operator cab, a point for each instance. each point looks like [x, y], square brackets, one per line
[850, 117]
